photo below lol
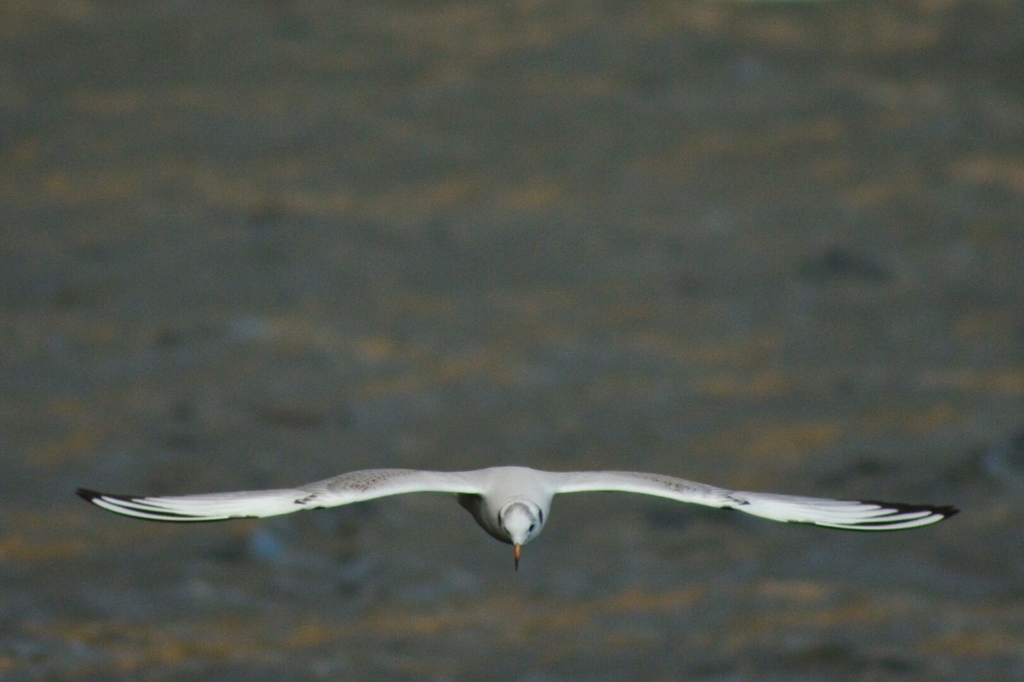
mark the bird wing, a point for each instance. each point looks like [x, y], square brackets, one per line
[355, 486]
[844, 514]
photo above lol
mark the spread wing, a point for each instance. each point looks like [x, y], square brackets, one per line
[356, 486]
[844, 514]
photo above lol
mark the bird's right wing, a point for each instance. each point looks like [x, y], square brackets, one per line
[355, 486]
[843, 514]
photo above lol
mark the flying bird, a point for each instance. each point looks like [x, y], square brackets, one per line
[513, 503]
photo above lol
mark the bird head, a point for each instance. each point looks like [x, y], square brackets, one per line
[521, 521]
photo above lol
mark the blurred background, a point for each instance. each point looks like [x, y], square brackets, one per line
[769, 246]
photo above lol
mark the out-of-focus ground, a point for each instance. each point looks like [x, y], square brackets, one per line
[774, 247]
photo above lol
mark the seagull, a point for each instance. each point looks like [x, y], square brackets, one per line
[513, 503]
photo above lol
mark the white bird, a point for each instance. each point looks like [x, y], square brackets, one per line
[512, 503]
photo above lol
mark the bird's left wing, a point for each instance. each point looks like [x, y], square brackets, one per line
[355, 486]
[844, 514]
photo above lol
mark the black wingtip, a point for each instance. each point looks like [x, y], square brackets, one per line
[884, 522]
[945, 511]
[110, 503]
[88, 495]
[92, 495]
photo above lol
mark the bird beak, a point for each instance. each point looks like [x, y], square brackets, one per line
[517, 552]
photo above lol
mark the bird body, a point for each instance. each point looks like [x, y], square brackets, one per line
[511, 499]
[513, 503]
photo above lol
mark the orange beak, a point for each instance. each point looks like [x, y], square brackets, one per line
[517, 551]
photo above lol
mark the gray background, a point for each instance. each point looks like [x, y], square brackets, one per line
[773, 247]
